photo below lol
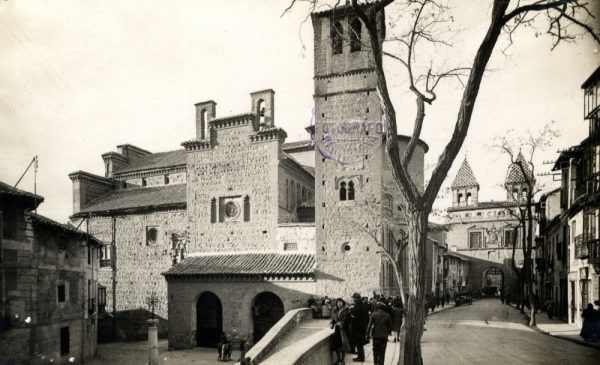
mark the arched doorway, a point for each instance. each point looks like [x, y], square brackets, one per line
[266, 311]
[493, 281]
[209, 320]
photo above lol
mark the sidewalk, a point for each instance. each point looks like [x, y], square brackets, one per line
[559, 329]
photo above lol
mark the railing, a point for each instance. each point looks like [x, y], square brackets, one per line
[581, 248]
[105, 263]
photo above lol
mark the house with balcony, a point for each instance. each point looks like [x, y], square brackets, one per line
[579, 167]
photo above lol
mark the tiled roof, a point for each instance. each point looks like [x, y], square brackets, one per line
[289, 160]
[137, 198]
[9, 191]
[465, 177]
[515, 174]
[155, 161]
[245, 264]
[298, 145]
[486, 205]
[41, 220]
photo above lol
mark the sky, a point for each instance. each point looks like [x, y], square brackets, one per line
[78, 78]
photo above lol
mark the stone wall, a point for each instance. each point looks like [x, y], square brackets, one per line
[302, 234]
[237, 299]
[234, 169]
[139, 262]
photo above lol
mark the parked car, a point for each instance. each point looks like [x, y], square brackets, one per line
[463, 297]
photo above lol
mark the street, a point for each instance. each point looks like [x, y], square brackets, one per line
[489, 332]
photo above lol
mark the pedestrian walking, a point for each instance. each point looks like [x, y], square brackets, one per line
[549, 304]
[359, 319]
[447, 295]
[589, 330]
[432, 302]
[339, 322]
[397, 314]
[502, 296]
[379, 328]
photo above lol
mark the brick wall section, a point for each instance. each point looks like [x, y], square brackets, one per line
[236, 297]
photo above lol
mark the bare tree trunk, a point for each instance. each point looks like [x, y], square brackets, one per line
[415, 320]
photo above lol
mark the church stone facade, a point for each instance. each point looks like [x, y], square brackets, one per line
[244, 226]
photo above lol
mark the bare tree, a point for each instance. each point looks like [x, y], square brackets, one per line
[563, 18]
[522, 153]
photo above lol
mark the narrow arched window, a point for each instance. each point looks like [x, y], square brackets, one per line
[516, 193]
[468, 198]
[298, 196]
[459, 198]
[213, 210]
[292, 195]
[303, 194]
[337, 34]
[260, 110]
[355, 35]
[247, 209]
[524, 194]
[144, 182]
[351, 190]
[204, 123]
[343, 191]
[287, 194]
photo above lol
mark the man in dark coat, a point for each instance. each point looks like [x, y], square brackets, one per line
[359, 319]
[379, 328]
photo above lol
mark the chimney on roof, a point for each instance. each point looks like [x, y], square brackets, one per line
[205, 112]
[86, 187]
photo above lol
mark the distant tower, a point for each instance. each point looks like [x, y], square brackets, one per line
[465, 187]
[516, 182]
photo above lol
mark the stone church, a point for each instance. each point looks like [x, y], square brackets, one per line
[486, 231]
[245, 226]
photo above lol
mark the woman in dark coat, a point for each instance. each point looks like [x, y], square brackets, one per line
[397, 313]
[589, 332]
[339, 322]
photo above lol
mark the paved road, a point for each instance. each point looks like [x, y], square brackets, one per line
[488, 332]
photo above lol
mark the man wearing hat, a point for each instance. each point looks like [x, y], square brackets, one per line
[379, 328]
[359, 319]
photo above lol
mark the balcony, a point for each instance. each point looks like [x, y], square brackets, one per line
[105, 263]
[594, 251]
[581, 248]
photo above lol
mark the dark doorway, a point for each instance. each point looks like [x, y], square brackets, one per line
[266, 311]
[493, 281]
[209, 320]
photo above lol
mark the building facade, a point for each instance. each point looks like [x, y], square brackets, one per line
[579, 201]
[487, 232]
[48, 276]
[552, 255]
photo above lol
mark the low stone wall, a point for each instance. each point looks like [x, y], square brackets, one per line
[313, 350]
[270, 340]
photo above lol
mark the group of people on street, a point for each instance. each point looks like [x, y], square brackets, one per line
[432, 301]
[590, 330]
[224, 349]
[364, 320]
